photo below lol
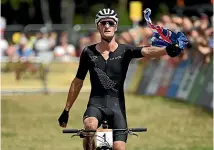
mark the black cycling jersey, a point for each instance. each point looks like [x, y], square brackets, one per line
[107, 101]
[107, 76]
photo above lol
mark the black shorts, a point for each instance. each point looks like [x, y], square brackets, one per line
[116, 120]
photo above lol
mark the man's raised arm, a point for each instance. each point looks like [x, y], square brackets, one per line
[153, 51]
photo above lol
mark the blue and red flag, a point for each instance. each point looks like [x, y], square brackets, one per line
[163, 36]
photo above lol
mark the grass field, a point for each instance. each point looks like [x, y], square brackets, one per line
[29, 122]
[60, 76]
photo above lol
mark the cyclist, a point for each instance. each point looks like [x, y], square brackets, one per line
[107, 62]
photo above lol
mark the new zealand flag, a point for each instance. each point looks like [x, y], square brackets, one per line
[163, 36]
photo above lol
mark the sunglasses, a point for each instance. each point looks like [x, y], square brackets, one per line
[110, 23]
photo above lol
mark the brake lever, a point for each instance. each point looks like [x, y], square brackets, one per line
[132, 133]
[80, 134]
[75, 135]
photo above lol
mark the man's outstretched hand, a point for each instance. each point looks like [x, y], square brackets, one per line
[176, 45]
[63, 119]
[179, 39]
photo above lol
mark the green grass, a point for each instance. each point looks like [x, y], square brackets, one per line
[29, 122]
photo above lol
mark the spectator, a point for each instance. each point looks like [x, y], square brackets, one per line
[204, 22]
[91, 38]
[177, 20]
[43, 46]
[11, 51]
[52, 40]
[83, 42]
[136, 35]
[24, 55]
[3, 46]
[2, 26]
[159, 23]
[196, 22]
[31, 40]
[166, 19]
[126, 38]
[187, 24]
[23, 52]
[42, 43]
[94, 37]
[147, 35]
[65, 51]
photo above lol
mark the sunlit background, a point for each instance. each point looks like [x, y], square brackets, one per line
[172, 97]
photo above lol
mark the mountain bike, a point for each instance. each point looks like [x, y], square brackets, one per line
[103, 137]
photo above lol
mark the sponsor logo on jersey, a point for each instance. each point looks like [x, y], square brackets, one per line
[115, 58]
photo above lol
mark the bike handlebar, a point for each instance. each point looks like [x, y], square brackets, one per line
[82, 130]
[138, 129]
[70, 130]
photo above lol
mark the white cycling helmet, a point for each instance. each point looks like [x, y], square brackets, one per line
[106, 13]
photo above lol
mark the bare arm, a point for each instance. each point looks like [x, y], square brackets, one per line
[75, 88]
[153, 51]
[150, 52]
[77, 82]
[73, 93]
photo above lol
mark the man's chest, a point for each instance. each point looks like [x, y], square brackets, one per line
[107, 62]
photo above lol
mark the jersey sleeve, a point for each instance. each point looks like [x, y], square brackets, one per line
[83, 65]
[135, 52]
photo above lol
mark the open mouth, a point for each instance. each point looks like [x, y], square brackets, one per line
[107, 31]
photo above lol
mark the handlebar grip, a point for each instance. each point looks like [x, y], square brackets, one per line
[138, 129]
[70, 130]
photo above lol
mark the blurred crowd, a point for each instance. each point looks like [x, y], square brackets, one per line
[41, 44]
[57, 46]
[198, 29]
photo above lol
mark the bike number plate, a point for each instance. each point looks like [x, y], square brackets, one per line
[104, 137]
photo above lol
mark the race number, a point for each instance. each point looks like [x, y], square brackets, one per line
[104, 137]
